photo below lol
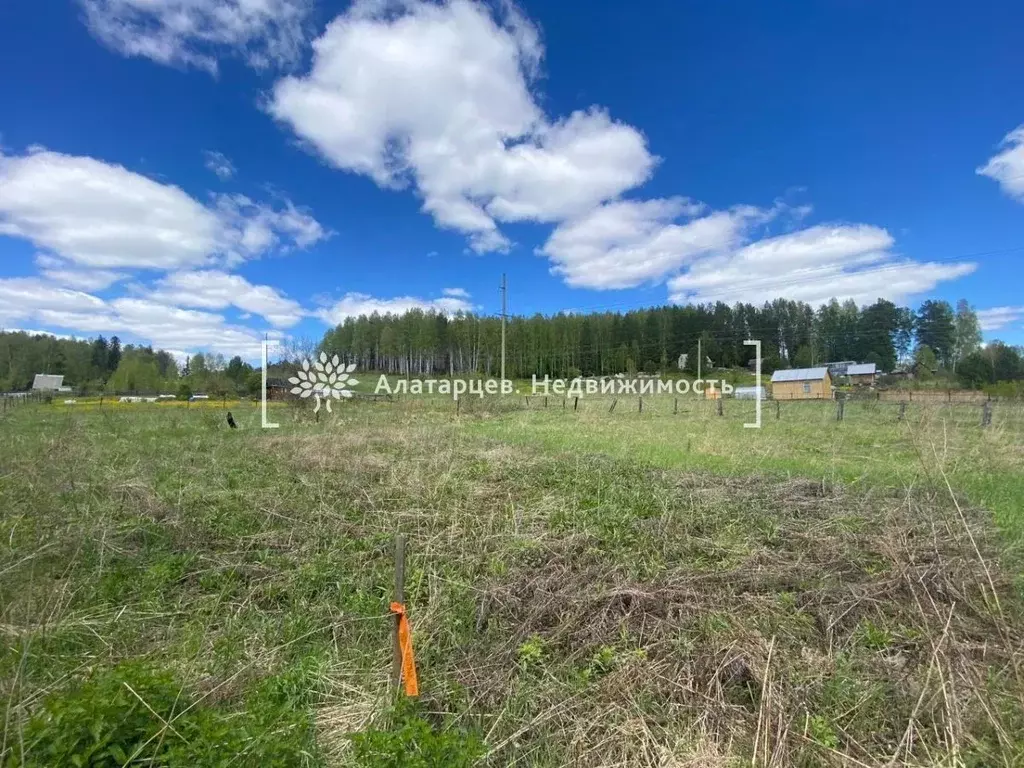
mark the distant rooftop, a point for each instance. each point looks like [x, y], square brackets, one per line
[48, 382]
[800, 374]
[861, 369]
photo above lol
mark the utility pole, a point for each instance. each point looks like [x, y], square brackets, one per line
[504, 307]
[699, 358]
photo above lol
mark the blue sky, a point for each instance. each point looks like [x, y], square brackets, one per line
[195, 179]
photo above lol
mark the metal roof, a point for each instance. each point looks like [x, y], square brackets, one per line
[800, 374]
[861, 369]
[47, 381]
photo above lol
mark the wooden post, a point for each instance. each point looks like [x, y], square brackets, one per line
[396, 660]
[526, 400]
[545, 401]
[563, 403]
[575, 403]
[839, 409]
[986, 413]
[675, 406]
[720, 405]
[458, 406]
[640, 405]
[903, 411]
[614, 402]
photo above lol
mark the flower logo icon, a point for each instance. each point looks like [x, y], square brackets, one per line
[326, 378]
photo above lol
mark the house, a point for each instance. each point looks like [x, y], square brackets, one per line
[802, 384]
[862, 374]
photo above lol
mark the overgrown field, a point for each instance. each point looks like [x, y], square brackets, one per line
[586, 587]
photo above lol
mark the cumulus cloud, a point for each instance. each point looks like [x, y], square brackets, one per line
[626, 243]
[219, 164]
[459, 293]
[101, 215]
[356, 304]
[999, 317]
[212, 289]
[194, 33]
[813, 265]
[157, 323]
[1007, 167]
[438, 95]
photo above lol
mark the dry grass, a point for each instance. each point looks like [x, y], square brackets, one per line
[573, 609]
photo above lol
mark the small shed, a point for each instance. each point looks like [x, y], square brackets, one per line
[802, 384]
[862, 374]
[749, 393]
[46, 382]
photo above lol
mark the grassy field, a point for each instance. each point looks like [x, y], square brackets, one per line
[586, 587]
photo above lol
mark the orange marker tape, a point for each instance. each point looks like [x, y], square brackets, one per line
[412, 686]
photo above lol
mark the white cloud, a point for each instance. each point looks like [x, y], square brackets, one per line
[104, 216]
[812, 265]
[1007, 167]
[81, 279]
[438, 94]
[356, 304]
[195, 32]
[152, 322]
[999, 317]
[459, 293]
[212, 289]
[626, 243]
[254, 228]
[219, 164]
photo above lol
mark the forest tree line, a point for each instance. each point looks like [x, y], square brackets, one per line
[940, 339]
[793, 334]
[94, 366]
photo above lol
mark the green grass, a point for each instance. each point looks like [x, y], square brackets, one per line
[585, 588]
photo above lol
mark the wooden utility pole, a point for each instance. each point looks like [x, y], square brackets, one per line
[504, 311]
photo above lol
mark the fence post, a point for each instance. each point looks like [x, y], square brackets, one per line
[986, 413]
[720, 411]
[640, 405]
[778, 410]
[575, 403]
[903, 410]
[396, 660]
[675, 407]
[545, 401]
[458, 406]
[614, 402]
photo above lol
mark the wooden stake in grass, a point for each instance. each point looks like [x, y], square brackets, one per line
[903, 411]
[640, 405]
[675, 406]
[614, 402]
[778, 410]
[986, 413]
[396, 661]
[720, 411]
[575, 403]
